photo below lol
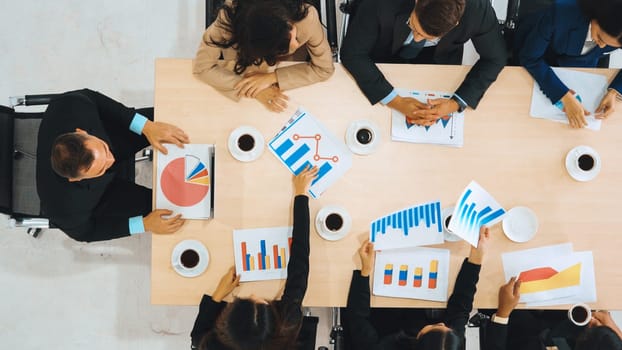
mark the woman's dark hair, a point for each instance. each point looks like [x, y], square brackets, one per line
[69, 155]
[598, 338]
[247, 325]
[260, 29]
[606, 13]
[432, 340]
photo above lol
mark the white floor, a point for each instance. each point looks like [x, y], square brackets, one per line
[57, 293]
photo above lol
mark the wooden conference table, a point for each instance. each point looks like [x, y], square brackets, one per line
[518, 159]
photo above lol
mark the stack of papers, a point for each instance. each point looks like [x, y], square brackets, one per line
[552, 275]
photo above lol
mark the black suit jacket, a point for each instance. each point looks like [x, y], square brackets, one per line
[364, 336]
[379, 29]
[290, 305]
[74, 206]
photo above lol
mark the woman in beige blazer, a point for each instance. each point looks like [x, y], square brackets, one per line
[252, 36]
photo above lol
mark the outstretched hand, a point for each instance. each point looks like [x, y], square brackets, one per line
[158, 133]
[366, 253]
[477, 254]
[156, 223]
[227, 284]
[575, 112]
[303, 180]
[509, 295]
[607, 105]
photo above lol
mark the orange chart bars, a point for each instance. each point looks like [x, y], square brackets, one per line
[433, 274]
[418, 277]
[263, 258]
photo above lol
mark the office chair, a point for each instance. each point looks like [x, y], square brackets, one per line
[18, 159]
[212, 6]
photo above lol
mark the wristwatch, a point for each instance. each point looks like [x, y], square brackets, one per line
[461, 105]
[499, 320]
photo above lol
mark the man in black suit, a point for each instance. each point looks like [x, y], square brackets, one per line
[83, 140]
[423, 31]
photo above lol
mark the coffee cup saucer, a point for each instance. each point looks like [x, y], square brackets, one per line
[574, 170]
[448, 236]
[357, 147]
[241, 155]
[328, 234]
[203, 258]
[520, 224]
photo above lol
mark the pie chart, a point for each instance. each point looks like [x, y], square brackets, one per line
[185, 181]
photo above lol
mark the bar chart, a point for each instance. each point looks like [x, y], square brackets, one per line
[304, 142]
[262, 254]
[417, 273]
[409, 227]
[475, 208]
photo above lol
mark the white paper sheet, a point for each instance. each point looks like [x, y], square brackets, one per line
[410, 227]
[448, 132]
[474, 209]
[184, 180]
[408, 273]
[261, 246]
[305, 141]
[589, 87]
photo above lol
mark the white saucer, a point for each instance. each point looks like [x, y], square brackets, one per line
[449, 237]
[333, 235]
[243, 156]
[520, 224]
[203, 258]
[574, 170]
[360, 148]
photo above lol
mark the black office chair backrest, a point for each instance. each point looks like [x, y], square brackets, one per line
[6, 159]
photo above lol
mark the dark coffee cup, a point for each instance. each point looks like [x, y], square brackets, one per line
[246, 142]
[585, 162]
[189, 258]
[333, 222]
[446, 223]
[364, 136]
[580, 314]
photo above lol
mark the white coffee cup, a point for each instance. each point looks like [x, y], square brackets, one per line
[580, 314]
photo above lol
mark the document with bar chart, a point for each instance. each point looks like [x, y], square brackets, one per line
[184, 180]
[415, 273]
[475, 208]
[305, 141]
[409, 227]
[448, 130]
[262, 254]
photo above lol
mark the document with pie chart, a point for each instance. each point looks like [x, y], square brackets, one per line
[185, 180]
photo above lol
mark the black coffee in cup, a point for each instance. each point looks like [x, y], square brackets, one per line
[586, 162]
[579, 314]
[364, 136]
[189, 258]
[447, 221]
[246, 142]
[334, 222]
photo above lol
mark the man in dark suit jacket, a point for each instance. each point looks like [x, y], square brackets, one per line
[570, 33]
[83, 139]
[423, 31]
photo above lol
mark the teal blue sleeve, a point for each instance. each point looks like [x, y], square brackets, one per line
[136, 225]
[138, 123]
[389, 97]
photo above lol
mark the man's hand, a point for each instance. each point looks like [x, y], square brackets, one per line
[156, 223]
[477, 254]
[273, 99]
[603, 318]
[607, 105]
[408, 106]
[509, 294]
[574, 110]
[439, 108]
[253, 83]
[158, 133]
[366, 253]
[303, 180]
[227, 284]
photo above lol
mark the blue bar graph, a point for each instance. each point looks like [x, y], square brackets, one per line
[324, 169]
[284, 147]
[475, 208]
[425, 218]
[299, 153]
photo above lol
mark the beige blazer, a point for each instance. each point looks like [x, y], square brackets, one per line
[219, 73]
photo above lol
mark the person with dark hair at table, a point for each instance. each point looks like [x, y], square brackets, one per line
[251, 36]
[84, 139]
[571, 33]
[546, 329]
[411, 329]
[423, 31]
[255, 323]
